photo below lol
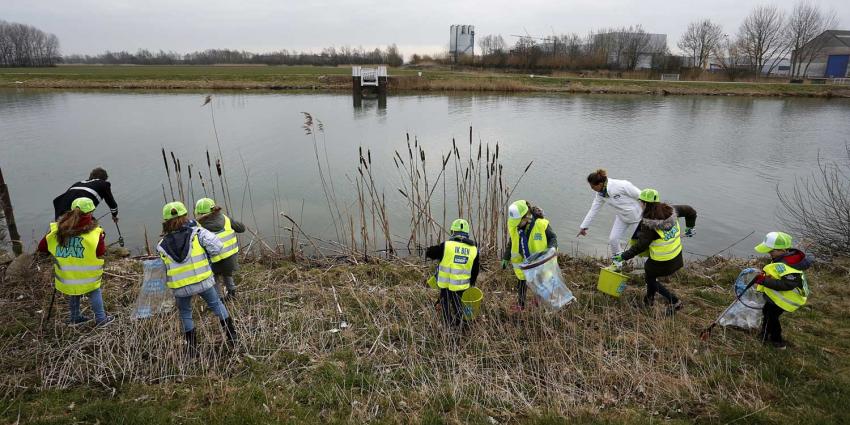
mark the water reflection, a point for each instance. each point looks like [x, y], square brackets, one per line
[723, 155]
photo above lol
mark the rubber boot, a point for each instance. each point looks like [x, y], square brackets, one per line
[230, 331]
[191, 344]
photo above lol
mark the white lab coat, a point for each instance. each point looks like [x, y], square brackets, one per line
[622, 197]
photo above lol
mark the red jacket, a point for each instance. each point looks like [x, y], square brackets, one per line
[84, 221]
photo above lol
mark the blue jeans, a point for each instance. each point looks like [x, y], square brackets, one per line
[96, 300]
[184, 304]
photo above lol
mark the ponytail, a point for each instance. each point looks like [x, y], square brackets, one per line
[597, 177]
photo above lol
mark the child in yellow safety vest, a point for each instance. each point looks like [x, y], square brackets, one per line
[530, 233]
[186, 249]
[210, 217]
[783, 283]
[77, 245]
[457, 271]
[659, 237]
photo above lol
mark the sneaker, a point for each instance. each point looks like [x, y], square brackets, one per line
[779, 345]
[106, 321]
[78, 321]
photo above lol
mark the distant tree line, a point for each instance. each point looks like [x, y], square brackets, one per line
[26, 45]
[619, 48]
[766, 38]
[330, 56]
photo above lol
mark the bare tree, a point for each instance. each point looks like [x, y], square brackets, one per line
[491, 44]
[806, 23]
[731, 57]
[817, 207]
[762, 37]
[25, 45]
[635, 42]
[700, 40]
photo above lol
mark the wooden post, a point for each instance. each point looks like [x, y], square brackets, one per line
[17, 246]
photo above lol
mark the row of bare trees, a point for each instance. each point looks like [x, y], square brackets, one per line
[613, 48]
[331, 56]
[765, 37]
[26, 45]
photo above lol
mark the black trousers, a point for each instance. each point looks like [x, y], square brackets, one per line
[452, 307]
[655, 269]
[521, 289]
[771, 329]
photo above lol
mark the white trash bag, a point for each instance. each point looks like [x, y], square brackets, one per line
[544, 277]
[746, 312]
[154, 297]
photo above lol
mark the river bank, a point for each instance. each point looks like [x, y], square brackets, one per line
[239, 77]
[600, 359]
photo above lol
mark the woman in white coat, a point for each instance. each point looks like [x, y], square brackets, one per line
[622, 196]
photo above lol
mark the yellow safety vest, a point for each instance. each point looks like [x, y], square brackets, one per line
[668, 245]
[787, 300]
[76, 268]
[455, 270]
[230, 245]
[195, 268]
[536, 242]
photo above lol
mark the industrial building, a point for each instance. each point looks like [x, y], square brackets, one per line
[461, 41]
[829, 54]
[618, 44]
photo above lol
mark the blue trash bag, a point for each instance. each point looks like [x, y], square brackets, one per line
[154, 297]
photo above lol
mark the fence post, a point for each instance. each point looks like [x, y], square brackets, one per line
[17, 246]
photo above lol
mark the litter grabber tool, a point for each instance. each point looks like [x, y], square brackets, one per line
[706, 333]
[120, 236]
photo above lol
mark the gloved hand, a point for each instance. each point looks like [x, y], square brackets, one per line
[617, 259]
[689, 232]
[759, 279]
[504, 264]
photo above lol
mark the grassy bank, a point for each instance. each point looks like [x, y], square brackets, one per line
[601, 360]
[338, 78]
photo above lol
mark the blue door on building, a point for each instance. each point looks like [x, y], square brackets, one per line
[836, 66]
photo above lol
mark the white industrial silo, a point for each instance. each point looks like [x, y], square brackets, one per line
[461, 40]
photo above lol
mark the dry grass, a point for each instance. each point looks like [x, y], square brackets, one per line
[396, 360]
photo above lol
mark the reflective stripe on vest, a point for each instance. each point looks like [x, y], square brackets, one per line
[668, 245]
[76, 268]
[230, 245]
[455, 269]
[787, 300]
[195, 268]
[536, 242]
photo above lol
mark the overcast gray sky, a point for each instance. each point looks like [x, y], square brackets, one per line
[92, 26]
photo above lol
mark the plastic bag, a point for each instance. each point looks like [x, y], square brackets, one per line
[544, 277]
[746, 311]
[154, 297]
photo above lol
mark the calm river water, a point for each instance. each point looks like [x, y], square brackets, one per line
[725, 156]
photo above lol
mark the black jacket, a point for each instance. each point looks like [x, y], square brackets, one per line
[646, 232]
[436, 252]
[794, 258]
[95, 190]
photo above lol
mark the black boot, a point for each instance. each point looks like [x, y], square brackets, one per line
[230, 331]
[191, 344]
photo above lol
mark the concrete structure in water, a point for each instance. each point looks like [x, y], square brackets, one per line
[461, 41]
[369, 81]
[829, 54]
